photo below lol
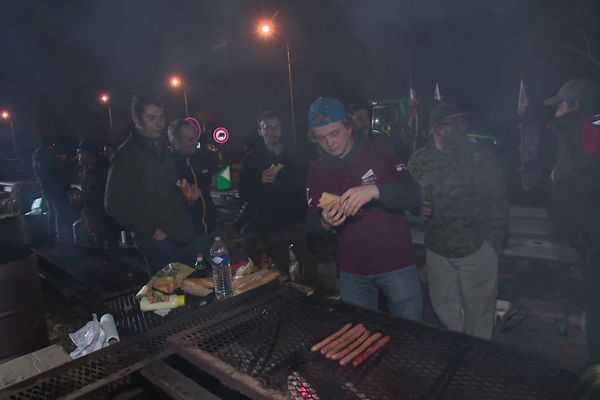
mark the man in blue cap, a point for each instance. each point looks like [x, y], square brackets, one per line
[375, 189]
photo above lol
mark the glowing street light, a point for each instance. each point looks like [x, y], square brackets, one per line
[266, 29]
[105, 99]
[176, 83]
[6, 116]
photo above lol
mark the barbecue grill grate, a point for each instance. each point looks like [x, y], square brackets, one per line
[117, 360]
[271, 342]
[268, 333]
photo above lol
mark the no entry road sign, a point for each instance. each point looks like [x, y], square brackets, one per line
[221, 135]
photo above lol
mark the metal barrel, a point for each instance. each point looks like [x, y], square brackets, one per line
[22, 322]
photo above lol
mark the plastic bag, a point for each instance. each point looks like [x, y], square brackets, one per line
[88, 339]
[166, 281]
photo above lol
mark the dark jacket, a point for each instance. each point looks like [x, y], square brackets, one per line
[49, 173]
[197, 170]
[141, 193]
[282, 203]
[575, 201]
[93, 184]
[378, 239]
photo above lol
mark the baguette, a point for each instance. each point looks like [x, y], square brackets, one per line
[184, 187]
[328, 198]
[204, 282]
[276, 167]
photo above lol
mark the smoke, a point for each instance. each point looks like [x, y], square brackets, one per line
[57, 56]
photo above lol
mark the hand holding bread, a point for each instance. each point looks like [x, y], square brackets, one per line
[328, 198]
[269, 174]
[185, 188]
[332, 214]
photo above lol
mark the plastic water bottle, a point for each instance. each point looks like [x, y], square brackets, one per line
[219, 259]
[294, 269]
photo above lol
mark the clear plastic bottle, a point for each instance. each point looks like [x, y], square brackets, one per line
[219, 259]
[294, 269]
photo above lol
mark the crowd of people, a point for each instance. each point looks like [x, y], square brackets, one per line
[158, 187]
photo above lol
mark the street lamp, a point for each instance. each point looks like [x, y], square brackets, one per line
[266, 30]
[175, 83]
[105, 99]
[6, 116]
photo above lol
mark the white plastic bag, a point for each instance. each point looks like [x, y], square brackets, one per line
[88, 339]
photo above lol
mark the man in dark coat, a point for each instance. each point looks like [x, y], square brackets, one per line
[141, 191]
[272, 181]
[575, 201]
[194, 175]
[55, 187]
[98, 225]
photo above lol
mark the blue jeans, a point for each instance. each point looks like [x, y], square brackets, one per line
[159, 253]
[401, 288]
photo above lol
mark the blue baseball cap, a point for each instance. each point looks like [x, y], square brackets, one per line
[324, 111]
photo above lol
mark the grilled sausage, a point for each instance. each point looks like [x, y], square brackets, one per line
[371, 350]
[341, 339]
[344, 352]
[360, 349]
[331, 338]
[360, 329]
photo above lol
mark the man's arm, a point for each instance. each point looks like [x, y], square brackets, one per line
[403, 193]
[314, 224]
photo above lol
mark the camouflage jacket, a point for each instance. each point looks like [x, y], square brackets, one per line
[468, 198]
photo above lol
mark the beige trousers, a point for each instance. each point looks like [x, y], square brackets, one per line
[463, 290]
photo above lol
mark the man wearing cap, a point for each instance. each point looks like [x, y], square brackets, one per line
[272, 181]
[465, 205]
[575, 201]
[375, 245]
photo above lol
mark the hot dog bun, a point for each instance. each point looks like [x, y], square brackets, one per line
[276, 167]
[184, 186]
[327, 198]
[204, 282]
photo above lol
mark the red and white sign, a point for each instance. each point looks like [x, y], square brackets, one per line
[221, 135]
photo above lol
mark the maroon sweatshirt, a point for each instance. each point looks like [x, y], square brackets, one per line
[378, 239]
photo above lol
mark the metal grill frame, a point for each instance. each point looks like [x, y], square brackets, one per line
[421, 362]
[86, 376]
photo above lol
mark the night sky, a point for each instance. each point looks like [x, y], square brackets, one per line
[57, 56]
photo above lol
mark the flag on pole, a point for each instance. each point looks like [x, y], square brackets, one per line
[523, 100]
[412, 96]
[437, 95]
[224, 178]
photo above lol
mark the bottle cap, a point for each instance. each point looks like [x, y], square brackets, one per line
[180, 301]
